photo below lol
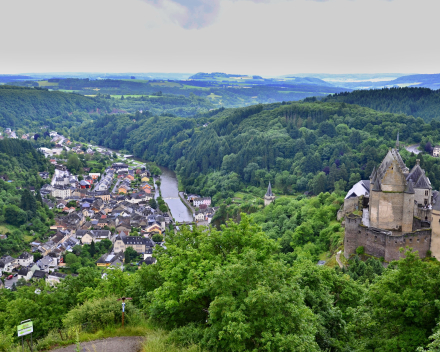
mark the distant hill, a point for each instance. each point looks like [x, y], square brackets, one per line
[220, 75]
[308, 80]
[428, 81]
[25, 107]
[418, 102]
[12, 78]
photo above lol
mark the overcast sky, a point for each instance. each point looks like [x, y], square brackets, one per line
[265, 37]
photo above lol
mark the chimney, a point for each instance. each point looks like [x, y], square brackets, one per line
[418, 161]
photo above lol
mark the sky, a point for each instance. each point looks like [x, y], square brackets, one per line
[260, 37]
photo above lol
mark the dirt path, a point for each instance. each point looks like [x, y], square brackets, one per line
[113, 344]
[338, 255]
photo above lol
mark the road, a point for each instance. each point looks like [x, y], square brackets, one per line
[114, 344]
[9, 283]
[413, 148]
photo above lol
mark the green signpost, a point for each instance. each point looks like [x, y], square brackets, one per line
[26, 327]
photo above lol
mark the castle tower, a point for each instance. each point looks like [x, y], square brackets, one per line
[435, 226]
[269, 197]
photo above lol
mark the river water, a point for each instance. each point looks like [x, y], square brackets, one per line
[170, 192]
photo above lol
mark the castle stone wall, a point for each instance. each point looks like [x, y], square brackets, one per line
[388, 211]
[435, 240]
[381, 243]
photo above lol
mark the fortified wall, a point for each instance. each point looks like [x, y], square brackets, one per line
[382, 243]
[399, 209]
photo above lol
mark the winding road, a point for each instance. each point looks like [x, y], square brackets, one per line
[413, 148]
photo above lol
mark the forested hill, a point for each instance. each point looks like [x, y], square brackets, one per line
[302, 146]
[418, 102]
[33, 107]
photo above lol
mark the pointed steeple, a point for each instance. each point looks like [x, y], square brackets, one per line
[397, 141]
[269, 191]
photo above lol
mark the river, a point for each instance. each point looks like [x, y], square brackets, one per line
[170, 192]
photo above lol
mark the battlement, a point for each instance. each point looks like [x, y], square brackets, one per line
[383, 243]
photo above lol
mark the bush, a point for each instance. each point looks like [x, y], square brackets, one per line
[186, 336]
[360, 250]
[100, 313]
[157, 238]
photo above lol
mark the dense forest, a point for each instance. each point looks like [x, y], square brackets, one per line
[35, 107]
[302, 146]
[22, 213]
[418, 102]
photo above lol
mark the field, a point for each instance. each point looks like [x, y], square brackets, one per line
[118, 96]
[213, 96]
[136, 80]
[166, 84]
[186, 86]
[47, 84]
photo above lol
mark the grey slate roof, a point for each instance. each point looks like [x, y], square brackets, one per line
[269, 191]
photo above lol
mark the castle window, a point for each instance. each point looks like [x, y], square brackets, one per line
[375, 237]
[426, 193]
[426, 201]
[395, 241]
[418, 240]
[410, 239]
[359, 231]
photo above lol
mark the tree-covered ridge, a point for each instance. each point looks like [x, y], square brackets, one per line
[301, 146]
[418, 102]
[21, 211]
[33, 107]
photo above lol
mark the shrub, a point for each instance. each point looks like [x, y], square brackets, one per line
[100, 313]
[360, 250]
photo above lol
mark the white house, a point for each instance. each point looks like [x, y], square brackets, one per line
[25, 259]
[61, 192]
[25, 273]
[55, 278]
[204, 200]
[7, 263]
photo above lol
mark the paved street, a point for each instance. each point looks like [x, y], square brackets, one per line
[413, 149]
[9, 283]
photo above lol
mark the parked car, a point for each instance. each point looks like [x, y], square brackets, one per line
[9, 277]
[16, 274]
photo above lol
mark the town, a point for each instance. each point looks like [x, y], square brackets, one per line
[118, 211]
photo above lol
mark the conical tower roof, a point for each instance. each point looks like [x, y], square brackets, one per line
[269, 191]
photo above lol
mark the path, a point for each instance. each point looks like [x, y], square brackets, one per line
[113, 344]
[338, 255]
[182, 197]
[413, 148]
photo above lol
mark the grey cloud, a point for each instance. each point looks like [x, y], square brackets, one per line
[197, 13]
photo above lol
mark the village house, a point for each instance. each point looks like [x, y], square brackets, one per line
[7, 263]
[110, 260]
[25, 273]
[138, 243]
[47, 264]
[87, 236]
[55, 278]
[199, 201]
[25, 259]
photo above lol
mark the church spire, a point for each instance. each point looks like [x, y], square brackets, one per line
[397, 141]
[269, 191]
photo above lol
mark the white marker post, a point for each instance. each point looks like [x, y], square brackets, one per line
[26, 327]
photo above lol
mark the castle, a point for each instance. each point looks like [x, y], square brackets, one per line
[395, 208]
